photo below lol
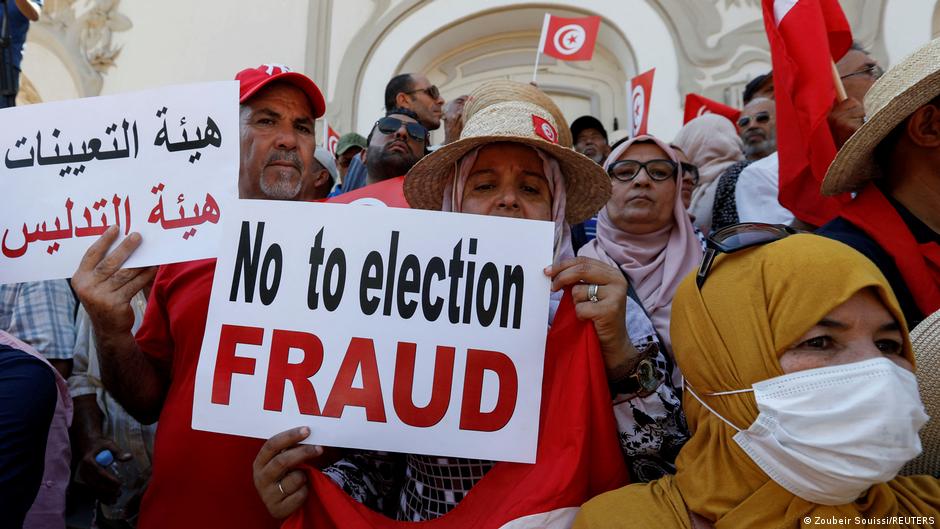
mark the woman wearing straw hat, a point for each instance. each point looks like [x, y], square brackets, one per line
[508, 163]
[799, 395]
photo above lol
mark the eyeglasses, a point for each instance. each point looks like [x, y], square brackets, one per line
[739, 237]
[658, 170]
[761, 117]
[432, 91]
[390, 125]
[874, 71]
[690, 171]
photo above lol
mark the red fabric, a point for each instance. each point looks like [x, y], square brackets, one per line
[388, 192]
[641, 91]
[544, 129]
[803, 45]
[919, 264]
[578, 456]
[696, 105]
[569, 39]
[330, 139]
[200, 479]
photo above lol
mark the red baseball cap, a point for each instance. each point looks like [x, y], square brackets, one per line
[253, 79]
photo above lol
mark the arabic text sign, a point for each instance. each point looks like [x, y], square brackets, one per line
[405, 330]
[161, 162]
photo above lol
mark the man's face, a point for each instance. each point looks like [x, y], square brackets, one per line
[591, 143]
[392, 154]
[859, 71]
[758, 128]
[343, 160]
[277, 144]
[428, 109]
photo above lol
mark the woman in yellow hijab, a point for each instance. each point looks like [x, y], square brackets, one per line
[799, 395]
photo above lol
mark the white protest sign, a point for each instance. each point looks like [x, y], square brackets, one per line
[380, 328]
[160, 162]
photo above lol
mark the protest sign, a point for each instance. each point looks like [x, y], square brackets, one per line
[160, 162]
[406, 330]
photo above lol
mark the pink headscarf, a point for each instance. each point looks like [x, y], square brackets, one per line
[655, 263]
[453, 201]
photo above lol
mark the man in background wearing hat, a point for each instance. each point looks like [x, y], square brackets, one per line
[893, 163]
[349, 145]
[325, 176]
[200, 479]
[590, 139]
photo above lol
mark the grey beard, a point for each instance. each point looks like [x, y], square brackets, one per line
[281, 189]
[760, 149]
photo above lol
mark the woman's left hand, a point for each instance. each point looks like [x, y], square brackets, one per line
[609, 311]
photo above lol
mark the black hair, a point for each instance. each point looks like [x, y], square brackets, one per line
[756, 84]
[400, 83]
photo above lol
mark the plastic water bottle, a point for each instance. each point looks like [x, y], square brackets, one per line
[127, 472]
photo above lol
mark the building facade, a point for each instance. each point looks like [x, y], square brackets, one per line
[84, 48]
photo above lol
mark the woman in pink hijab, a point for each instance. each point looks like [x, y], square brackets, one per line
[645, 233]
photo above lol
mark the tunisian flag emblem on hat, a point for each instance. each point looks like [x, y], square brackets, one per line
[544, 129]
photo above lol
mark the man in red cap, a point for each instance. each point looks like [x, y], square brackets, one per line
[200, 479]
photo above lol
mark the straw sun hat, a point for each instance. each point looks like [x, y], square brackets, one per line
[925, 339]
[586, 184]
[502, 90]
[909, 85]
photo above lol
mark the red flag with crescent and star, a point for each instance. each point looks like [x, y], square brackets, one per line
[641, 91]
[696, 105]
[569, 39]
[330, 138]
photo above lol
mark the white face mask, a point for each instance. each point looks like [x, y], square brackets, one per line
[828, 434]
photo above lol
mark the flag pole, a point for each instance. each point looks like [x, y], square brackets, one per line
[538, 52]
[837, 81]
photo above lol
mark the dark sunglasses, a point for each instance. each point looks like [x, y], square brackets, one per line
[691, 171]
[739, 237]
[432, 91]
[874, 71]
[760, 117]
[658, 170]
[390, 125]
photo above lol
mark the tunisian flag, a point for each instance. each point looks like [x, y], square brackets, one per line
[696, 105]
[641, 91]
[578, 456]
[569, 39]
[330, 138]
[805, 37]
[389, 193]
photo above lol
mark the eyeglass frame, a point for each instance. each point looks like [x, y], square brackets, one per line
[408, 128]
[690, 168]
[713, 247]
[675, 170]
[875, 71]
[761, 117]
[431, 91]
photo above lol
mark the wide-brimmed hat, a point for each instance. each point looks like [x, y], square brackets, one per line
[502, 90]
[586, 185]
[909, 85]
[925, 339]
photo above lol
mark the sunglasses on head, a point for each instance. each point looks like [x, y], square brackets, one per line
[690, 171]
[739, 237]
[390, 125]
[658, 170]
[760, 117]
[432, 91]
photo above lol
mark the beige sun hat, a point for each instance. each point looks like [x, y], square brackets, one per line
[909, 85]
[925, 339]
[502, 90]
[587, 186]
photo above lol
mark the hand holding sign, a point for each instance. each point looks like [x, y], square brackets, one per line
[282, 486]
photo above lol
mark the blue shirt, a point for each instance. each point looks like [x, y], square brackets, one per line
[18, 26]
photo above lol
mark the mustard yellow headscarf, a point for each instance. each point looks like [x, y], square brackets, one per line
[754, 305]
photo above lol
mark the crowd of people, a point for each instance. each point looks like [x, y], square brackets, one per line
[758, 374]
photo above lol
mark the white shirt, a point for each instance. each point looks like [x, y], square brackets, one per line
[756, 193]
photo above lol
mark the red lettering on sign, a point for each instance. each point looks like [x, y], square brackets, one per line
[280, 371]
[471, 416]
[359, 356]
[227, 364]
[403, 387]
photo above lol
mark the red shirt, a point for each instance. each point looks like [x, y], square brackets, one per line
[200, 479]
